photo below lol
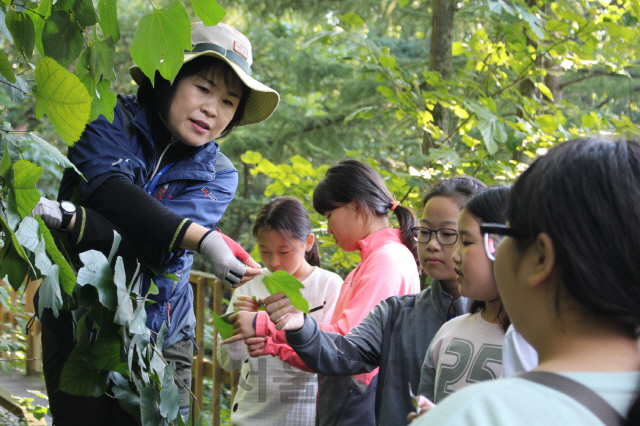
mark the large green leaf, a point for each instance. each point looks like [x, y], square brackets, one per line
[164, 331]
[224, 328]
[84, 12]
[283, 282]
[209, 11]
[163, 35]
[109, 19]
[104, 102]
[78, 379]
[67, 275]
[97, 272]
[64, 98]
[25, 177]
[62, 38]
[5, 68]
[99, 59]
[24, 34]
[169, 395]
[128, 400]
[106, 355]
[149, 407]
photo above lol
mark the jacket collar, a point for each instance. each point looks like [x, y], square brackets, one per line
[460, 305]
[378, 239]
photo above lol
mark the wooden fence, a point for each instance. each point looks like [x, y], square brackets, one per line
[207, 290]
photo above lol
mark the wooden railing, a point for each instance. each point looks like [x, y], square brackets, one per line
[202, 367]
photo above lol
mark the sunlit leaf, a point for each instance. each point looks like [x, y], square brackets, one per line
[251, 157]
[162, 35]
[25, 177]
[39, 17]
[209, 11]
[283, 282]
[352, 19]
[64, 99]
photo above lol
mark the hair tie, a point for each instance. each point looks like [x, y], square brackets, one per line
[395, 203]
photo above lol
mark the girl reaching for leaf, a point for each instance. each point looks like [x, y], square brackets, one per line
[271, 392]
[356, 203]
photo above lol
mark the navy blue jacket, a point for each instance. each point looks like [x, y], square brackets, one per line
[199, 187]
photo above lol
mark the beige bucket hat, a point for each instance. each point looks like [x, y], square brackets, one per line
[231, 46]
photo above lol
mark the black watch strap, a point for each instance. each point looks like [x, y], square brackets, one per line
[68, 209]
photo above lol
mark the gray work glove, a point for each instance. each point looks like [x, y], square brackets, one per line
[49, 212]
[225, 265]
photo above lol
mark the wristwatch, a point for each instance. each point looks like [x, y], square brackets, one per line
[68, 209]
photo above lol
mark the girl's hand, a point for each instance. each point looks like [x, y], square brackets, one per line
[246, 303]
[242, 326]
[282, 314]
[424, 405]
[255, 346]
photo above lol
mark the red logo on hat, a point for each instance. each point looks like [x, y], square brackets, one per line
[241, 49]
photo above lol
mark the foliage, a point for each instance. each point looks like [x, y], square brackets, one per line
[283, 282]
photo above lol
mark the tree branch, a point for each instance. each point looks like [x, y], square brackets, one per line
[15, 87]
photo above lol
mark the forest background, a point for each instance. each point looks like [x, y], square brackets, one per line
[421, 90]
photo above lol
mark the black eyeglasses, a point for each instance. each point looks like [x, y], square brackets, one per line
[445, 236]
[493, 233]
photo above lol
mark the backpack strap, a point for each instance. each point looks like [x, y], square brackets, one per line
[582, 394]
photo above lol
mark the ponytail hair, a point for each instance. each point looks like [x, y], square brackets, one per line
[352, 180]
[489, 206]
[287, 214]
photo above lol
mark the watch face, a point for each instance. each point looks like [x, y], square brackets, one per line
[68, 206]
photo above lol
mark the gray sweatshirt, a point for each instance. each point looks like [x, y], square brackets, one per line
[394, 336]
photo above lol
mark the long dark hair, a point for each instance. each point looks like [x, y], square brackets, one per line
[159, 97]
[585, 194]
[459, 188]
[352, 180]
[287, 214]
[489, 205]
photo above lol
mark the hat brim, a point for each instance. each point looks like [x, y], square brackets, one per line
[262, 101]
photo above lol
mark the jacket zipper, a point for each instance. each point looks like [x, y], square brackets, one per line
[160, 159]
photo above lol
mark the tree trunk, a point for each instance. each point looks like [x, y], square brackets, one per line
[441, 58]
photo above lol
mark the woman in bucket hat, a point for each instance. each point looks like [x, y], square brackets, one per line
[156, 176]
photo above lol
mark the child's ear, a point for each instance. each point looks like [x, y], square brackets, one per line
[309, 242]
[543, 260]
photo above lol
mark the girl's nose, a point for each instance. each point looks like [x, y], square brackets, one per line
[275, 260]
[210, 108]
[434, 244]
[457, 258]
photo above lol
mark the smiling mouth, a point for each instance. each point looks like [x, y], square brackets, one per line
[202, 124]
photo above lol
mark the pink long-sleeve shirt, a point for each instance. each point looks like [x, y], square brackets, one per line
[387, 268]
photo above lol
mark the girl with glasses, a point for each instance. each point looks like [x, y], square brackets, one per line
[569, 277]
[468, 349]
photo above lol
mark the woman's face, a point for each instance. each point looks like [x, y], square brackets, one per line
[435, 258]
[474, 269]
[202, 107]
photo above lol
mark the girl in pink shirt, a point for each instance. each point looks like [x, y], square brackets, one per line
[356, 203]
